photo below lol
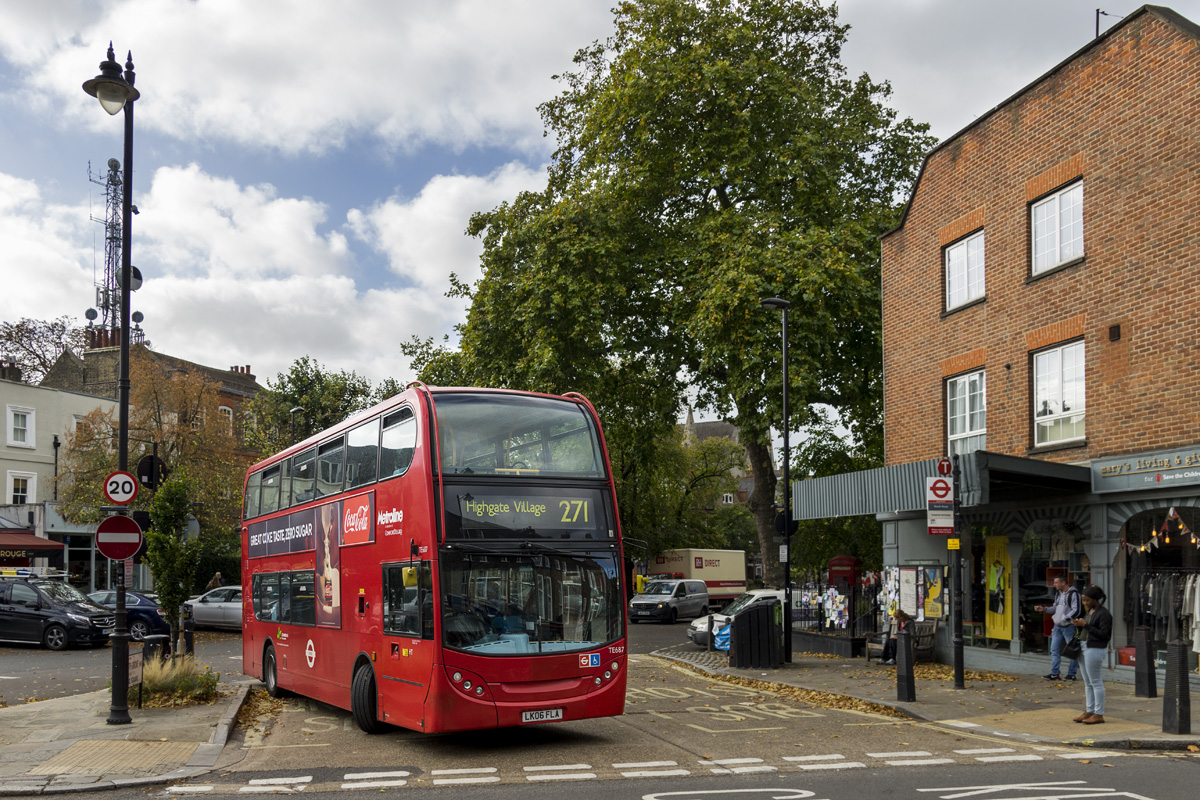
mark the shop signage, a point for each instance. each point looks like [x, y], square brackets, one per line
[1147, 471]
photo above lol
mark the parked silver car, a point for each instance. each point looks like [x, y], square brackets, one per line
[218, 608]
[698, 631]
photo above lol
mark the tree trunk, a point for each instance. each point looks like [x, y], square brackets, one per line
[762, 506]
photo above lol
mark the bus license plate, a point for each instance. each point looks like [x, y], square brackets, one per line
[542, 715]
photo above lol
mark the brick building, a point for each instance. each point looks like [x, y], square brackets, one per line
[1036, 324]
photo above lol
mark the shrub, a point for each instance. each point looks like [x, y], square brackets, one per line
[178, 681]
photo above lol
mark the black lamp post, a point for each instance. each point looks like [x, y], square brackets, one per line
[292, 423]
[115, 91]
[784, 305]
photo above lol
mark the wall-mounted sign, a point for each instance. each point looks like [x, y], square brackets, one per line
[1147, 471]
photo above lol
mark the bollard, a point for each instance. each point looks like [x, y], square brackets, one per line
[906, 683]
[1177, 704]
[712, 633]
[1145, 682]
[189, 634]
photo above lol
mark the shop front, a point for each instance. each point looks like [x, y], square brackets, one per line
[1130, 526]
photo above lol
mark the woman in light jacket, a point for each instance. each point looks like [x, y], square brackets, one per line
[1096, 631]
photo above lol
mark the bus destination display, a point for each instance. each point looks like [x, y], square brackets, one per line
[538, 513]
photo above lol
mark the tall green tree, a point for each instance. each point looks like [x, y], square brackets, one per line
[305, 399]
[711, 153]
[34, 345]
[171, 555]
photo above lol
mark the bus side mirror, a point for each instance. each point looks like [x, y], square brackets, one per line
[409, 576]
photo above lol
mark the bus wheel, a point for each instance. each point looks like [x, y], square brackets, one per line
[270, 675]
[363, 701]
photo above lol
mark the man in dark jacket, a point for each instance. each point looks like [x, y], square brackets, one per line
[1067, 607]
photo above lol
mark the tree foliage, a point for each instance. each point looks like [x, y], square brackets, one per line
[306, 399]
[172, 557]
[34, 345]
[178, 409]
[709, 155]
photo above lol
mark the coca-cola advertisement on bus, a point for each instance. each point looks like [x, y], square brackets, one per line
[329, 594]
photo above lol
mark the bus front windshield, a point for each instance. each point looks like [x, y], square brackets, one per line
[509, 603]
[516, 435]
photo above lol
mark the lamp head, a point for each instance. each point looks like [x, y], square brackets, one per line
[775, 302]
[110, 87]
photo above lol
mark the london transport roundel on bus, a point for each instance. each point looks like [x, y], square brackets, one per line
[118, 538]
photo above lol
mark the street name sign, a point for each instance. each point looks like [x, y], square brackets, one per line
[939, 514]
[118, 538]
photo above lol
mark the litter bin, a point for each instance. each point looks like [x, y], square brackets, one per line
[756, 637]
[156, 647]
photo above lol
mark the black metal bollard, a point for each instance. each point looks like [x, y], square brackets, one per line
[1145, 683]
[906, 682]
[1177, 703]
[712, 634]
[189, 634]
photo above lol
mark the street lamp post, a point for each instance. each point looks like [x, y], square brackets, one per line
[115, 92]
[292, 423]
[784, 305]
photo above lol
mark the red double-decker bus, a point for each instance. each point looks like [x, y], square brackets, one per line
[447, 560]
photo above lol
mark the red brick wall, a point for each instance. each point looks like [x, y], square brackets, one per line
[1122, 115]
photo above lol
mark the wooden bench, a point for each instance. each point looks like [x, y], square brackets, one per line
[923, 633]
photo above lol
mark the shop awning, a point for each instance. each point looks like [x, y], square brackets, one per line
[26, 545]
[986, 478]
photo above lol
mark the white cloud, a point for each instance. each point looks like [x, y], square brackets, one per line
[424, 237]
[306, 76]
[193, 223]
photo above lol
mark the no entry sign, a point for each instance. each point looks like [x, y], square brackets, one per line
[118, 538]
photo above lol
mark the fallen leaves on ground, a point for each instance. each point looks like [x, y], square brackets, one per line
[809, 696]
[258, 703]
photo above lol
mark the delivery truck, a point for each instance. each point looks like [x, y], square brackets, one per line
[723, 571]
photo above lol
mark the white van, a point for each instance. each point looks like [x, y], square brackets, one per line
[668, 599]
[698, 631]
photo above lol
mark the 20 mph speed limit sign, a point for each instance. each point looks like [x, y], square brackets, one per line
[120, 488]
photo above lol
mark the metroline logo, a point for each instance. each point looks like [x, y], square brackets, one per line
[390, 517]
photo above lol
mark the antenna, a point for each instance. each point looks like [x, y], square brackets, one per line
[108, 292]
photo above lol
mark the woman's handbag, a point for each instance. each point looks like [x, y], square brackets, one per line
[1073, 648]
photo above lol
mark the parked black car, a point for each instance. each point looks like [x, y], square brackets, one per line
[53, 613]
[143, 615]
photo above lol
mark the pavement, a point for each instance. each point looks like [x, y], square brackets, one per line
[65, 744]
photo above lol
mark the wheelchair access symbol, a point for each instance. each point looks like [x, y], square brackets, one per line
[586, 660]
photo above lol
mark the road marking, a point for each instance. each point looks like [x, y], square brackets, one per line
[836, 765]
[727, 761]
[566, 776]
[189, 789]
[1100, 754]
[740, 770]
[374, 784]
[474, 771]
[962, 724]
[558, 766]
[645, 764]
[480, 772]
[993, 759]
[280, 781]
[983, 751]
[901, 754]
[12, 678]
[919, 762]
[833, 757]
[657, 774]
[371, 776]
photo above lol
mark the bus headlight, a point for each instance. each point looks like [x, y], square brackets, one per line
[456, 677]
[478, 691]
[598, 681]
[607, 674]
[614, 666]
[467, 684]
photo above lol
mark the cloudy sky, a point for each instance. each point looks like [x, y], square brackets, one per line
[305, 170]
